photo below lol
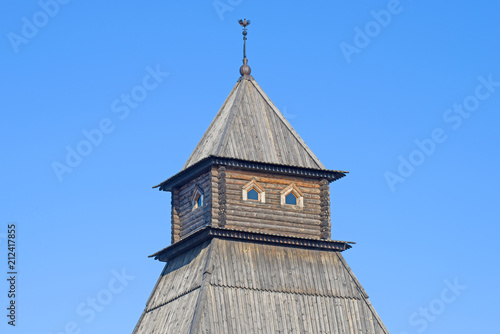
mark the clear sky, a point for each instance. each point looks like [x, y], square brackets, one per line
[103, 100]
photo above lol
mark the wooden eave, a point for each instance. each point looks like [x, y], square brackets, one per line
[200, 236]
[203, 165]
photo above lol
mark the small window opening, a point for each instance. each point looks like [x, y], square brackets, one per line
[253, 194]
[291, 199]
[198, 202]
[252, 191]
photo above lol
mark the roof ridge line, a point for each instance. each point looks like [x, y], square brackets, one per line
[172, 299]
[230, 117]
[363, 292]
[136, 328]
[354, 278]
[287, 124]
[207, 274]
[287, 292]
[189, 163]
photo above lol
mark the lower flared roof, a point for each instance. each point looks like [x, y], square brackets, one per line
[235, 286]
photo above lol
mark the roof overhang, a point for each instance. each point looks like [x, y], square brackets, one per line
[200, 236]
[203, 165]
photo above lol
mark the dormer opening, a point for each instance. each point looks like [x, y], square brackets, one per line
[291, 199]
[252, 191]
[292, 196]
[253, 195]
[197, 199]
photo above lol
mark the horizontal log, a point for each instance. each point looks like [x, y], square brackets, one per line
[257, 174]
[188, 203]
[275, 221]
[190, 230]
[192, 214]
[187, 196]
[262, 223]
[215, 215]
[214, 185]
[191, 225]
[200, 179]
[254, 205]
[276, 183]
[272, 198]
[308, 192]
[255, 226]
[279, 212]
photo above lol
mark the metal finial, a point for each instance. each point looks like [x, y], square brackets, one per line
[244, 23]
[245, 69]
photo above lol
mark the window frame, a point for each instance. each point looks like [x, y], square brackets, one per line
[292, 189]
[198, 196]
[253, 185]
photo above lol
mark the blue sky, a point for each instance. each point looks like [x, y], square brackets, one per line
[404, 95]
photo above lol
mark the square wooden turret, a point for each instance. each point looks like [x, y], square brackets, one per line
[252, 172]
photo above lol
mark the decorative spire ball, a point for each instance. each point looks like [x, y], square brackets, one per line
[245, 69]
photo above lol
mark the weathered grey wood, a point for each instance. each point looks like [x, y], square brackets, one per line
[280, 221]
[175, 216]
[240, 287]
[234, 173]
[275, 189]
[283, 279]
[246, 224]
[224, 205]
[186, 220]
[325, 209]
[222, 196]
[275, 210]
[250, 127]
[201, 302]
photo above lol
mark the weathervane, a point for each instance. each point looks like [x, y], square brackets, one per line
[244, 23]
[245, 69]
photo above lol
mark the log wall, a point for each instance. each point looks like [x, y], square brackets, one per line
[185, 219]
[223, 204]
[312, 220]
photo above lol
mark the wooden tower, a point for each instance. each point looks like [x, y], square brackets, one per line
[251, 249]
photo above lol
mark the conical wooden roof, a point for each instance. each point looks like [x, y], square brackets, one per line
[250, 127]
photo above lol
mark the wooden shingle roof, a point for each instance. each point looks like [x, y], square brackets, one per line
[233, 286]
[250, 127]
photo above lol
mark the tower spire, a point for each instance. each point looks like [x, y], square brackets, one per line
[245, 69]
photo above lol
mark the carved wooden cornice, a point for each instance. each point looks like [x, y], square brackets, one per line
[208, 232]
